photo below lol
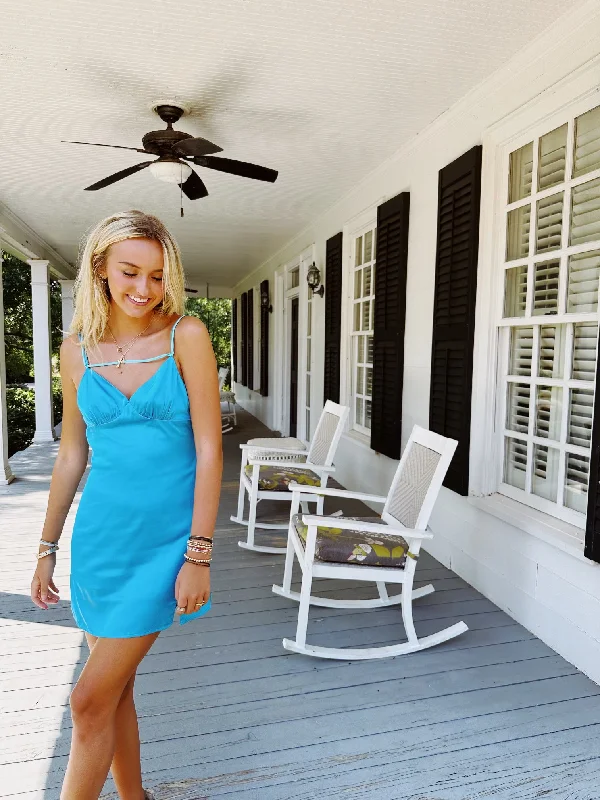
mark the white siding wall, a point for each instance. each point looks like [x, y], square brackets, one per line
[527, 568]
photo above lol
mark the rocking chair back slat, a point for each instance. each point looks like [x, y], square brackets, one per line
[418, 479]
[327, 435]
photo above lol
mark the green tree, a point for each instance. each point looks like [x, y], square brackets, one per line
[216, 315]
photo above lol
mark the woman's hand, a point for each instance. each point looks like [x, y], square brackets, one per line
[43, 589]
[192, 588]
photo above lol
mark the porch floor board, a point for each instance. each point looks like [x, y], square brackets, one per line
[226, 712]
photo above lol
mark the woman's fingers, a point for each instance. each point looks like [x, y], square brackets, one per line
[189, 605]
[37, 594]
[53, 586]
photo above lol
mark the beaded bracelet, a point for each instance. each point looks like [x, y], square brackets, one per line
[199, 548]
[49, 544]
[203, 539]
[197, 561]
[47, 552]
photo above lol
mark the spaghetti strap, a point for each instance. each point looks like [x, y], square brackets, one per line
[172, 353]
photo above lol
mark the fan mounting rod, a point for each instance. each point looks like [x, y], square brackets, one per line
[169, 113]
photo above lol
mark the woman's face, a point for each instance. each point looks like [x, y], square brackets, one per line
[134, 269]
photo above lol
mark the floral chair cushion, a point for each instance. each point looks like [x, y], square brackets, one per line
[277, 479]
[357, 547]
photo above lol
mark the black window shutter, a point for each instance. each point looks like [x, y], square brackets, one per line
[244, 342]
[264, 341]
[592, 528]
[459, 194]
[234, 338]
[333, 318]
[250, 339]
[388, 325]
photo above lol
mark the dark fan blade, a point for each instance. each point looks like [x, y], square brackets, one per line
[194, 188]
[124, 173]
[193, 291]
[117, 146]
[196, 147]
[241, 168]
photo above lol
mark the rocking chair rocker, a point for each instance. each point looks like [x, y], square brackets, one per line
[380, 552]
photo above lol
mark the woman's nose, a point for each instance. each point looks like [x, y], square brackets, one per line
[143, 287]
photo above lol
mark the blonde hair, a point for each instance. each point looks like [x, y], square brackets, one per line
[92, 296]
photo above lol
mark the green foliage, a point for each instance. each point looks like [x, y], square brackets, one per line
[216, 315]
[20, 417]
[18, 321]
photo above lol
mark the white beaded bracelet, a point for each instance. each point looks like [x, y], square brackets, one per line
[47, 552]
[49, 544]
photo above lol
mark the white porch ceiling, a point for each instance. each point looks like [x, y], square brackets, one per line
[322, 90]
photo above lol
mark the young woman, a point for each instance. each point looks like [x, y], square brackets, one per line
[140, 386]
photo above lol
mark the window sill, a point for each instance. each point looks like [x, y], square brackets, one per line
[356, 437]
[548, 529]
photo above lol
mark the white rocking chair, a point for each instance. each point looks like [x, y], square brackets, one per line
[266, 472]
[381, 552]
[229, 417]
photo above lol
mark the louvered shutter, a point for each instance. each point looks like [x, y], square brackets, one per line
[333, 318]
[250, 340]
[264, 341]
[459, 192]
[592, 532]
[388, 325]
[234, 338]
[244, 336]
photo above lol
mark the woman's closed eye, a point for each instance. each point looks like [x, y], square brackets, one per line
[133, 275]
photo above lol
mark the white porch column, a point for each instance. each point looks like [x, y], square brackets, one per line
[42, 351]
[67, 305]
[6, 475]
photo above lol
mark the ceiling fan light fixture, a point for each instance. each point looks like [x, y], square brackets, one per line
[170, 171]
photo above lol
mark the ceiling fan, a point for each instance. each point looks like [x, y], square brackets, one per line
[174, 149]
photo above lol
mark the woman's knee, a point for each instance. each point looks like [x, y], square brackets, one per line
[90, 707]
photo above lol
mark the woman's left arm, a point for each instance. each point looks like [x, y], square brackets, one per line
[199, 372]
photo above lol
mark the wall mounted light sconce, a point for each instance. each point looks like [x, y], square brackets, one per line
[313, 278]
[264, 301]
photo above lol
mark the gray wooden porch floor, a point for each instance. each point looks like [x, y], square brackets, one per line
[226, 712]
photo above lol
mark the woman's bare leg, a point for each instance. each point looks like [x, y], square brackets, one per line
[126, 765]
[94, 702]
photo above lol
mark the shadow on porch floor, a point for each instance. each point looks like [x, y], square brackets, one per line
[226, 712]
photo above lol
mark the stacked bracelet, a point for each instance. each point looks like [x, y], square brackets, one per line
[199, 562]
[48, 552]
[202, 546]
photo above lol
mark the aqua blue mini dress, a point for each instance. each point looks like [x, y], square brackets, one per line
[135, 513]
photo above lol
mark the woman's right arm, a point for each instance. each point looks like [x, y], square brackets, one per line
[69, 467]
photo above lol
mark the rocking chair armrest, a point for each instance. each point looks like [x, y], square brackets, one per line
[291, 465]
[361, 525]
[326, 492]
[283, 450]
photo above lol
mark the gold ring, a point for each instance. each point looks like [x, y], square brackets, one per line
[198, 604]
[182, 608]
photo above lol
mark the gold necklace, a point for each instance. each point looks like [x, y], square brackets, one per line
[124, 349]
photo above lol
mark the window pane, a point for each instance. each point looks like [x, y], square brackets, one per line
[545, 472]
[308, 431]
[581, 414]
[358, 284]
[549, 223]
[308, 354]
[309, 318]
[545, 288]
[360, 377]
[515, 291]
[584, 275]
[369, 349]
[587, 142]
[521, 346]
[368, 414]
[517, 407]
[585, 342]
[576, 482]
[295, 278]
[368, 245]
[367, 281]
[548, 410]
[552, 348]
[369, 380]
[358, 252]
[585, 212]
[515, 462]
[359, 410]
[360, 356]
[552, 155]
[521, 167]
[365, 315]
[517, 233]
[356, 316]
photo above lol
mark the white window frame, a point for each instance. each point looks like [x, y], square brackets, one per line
[364, 221]
[544, 114]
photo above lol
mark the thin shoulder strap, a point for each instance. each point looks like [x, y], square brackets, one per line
[172, 353]
[86, 363]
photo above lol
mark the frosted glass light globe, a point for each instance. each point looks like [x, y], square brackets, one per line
[170, 171]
